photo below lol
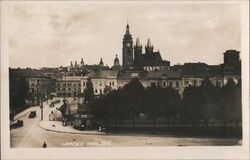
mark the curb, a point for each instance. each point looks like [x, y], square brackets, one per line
[86, 133]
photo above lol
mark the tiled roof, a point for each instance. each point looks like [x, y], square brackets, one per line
[132, 74]
[199, 69]
[163, 73]
[103, 74]
[149, 74]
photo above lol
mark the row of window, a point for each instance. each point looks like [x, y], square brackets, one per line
[164, 84]
[153, 68]
[110, 83]
[69, 84]
[79, 84]
[195, 83]
[69, 89]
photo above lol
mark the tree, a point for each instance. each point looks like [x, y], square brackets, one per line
[161, 102]
[133, 91]
[171, 102]
[18, 93]
[152, 103]
[107, 89]
[210, 97]
[89, 91]
[191, 104]
[110, 106]
[231, 105]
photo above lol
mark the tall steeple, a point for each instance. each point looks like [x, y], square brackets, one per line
[127, 50]
[138, 54]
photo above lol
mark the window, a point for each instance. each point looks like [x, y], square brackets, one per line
[152, 83]
[69, 89]
[177, 84]
[113, 83]
[170, 84]
[79, 84]
[100, 91]
[69, 84]
[195, 83]
[100, 84]
[58, 89]
[84, 83]
[186, 82]
[109, 83]
[63, 89]
[163, 84]
[95, 90]
[32, 90]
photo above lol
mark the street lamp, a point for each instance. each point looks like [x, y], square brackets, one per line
[41, 107]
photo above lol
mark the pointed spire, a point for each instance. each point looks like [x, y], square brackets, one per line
[116, 61]
[101, 63]
[127, 28]
[138, 42]
[82, 63]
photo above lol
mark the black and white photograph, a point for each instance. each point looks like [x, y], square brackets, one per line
[103, 75]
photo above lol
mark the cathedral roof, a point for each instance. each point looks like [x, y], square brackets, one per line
[153, 59]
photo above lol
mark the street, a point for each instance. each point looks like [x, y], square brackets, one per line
[32, 136]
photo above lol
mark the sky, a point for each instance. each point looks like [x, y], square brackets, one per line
[53, 35]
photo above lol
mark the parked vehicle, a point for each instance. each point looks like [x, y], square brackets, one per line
[32, 114]
[17, 124]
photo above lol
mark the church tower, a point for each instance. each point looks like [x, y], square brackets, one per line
[138, 53]
[127, 50]
[149, 48]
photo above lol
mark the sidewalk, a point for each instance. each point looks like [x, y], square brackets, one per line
[56, 126]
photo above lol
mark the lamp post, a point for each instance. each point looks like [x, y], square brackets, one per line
[41, 107]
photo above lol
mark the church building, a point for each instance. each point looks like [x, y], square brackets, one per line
[134, 59]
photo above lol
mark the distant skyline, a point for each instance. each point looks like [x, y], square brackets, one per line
[53, 35]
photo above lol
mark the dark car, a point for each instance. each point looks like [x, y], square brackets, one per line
[32, 114]
[17, 124]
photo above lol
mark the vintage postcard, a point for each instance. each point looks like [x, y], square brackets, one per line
[125, 79]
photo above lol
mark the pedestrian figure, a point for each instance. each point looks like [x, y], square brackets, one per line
[44, 145]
